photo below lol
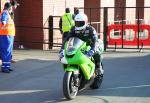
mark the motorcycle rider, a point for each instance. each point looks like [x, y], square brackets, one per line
[87, 33]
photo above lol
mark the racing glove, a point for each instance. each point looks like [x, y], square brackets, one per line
[90, 53]
[61, 53]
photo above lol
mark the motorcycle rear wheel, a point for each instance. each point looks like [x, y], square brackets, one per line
[69, 89]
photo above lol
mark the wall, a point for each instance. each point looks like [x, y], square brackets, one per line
[30, 15]
[131, 12]
[146, 15]
[93, 14]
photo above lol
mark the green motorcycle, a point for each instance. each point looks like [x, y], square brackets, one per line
[79, 69]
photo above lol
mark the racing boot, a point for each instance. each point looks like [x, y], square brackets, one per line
[99, 69]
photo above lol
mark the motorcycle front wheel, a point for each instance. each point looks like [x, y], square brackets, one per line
[69, 89]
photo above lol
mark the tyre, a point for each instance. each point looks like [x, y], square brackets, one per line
[98, 78]
[69, 89]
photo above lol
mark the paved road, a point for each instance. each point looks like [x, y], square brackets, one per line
[38, 79]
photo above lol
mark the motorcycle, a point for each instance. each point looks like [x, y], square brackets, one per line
[80, 71]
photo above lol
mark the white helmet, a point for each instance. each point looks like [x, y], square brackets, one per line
[81, 21]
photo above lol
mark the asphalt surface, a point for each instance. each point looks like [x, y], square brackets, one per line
[38, 75]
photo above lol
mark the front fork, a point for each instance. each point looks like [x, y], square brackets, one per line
[75, 74]
[76, 78]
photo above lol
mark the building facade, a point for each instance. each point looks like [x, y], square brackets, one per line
[31, 17]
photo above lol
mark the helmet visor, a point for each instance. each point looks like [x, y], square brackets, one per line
[79, 23]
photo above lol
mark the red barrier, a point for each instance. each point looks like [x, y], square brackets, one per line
[128, 38]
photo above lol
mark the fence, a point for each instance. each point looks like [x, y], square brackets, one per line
[125, 29]
[33, 37]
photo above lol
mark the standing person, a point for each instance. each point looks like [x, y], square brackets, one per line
[7, 33]
[76, 11]
[87, 33]
[14, 4]
[66, 22]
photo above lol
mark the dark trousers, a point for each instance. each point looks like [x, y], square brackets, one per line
[65, 34]
[97, 59]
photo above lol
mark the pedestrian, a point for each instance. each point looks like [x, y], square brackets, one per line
[66, 23]
[76, 11]
[14, 4]
[7, 33]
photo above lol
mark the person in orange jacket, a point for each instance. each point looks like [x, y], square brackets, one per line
[14, 4]
[7, 33]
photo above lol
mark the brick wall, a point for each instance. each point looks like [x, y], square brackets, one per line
[93, 14]
[29, 14]
[140, 3]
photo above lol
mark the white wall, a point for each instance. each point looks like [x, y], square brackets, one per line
[131, 12]
[107, 3]
[147, 12]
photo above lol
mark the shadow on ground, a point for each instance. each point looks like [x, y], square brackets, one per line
[40, 81]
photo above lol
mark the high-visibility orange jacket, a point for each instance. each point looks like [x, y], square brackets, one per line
[9, 28]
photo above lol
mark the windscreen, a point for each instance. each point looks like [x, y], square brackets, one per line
[73, 44]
